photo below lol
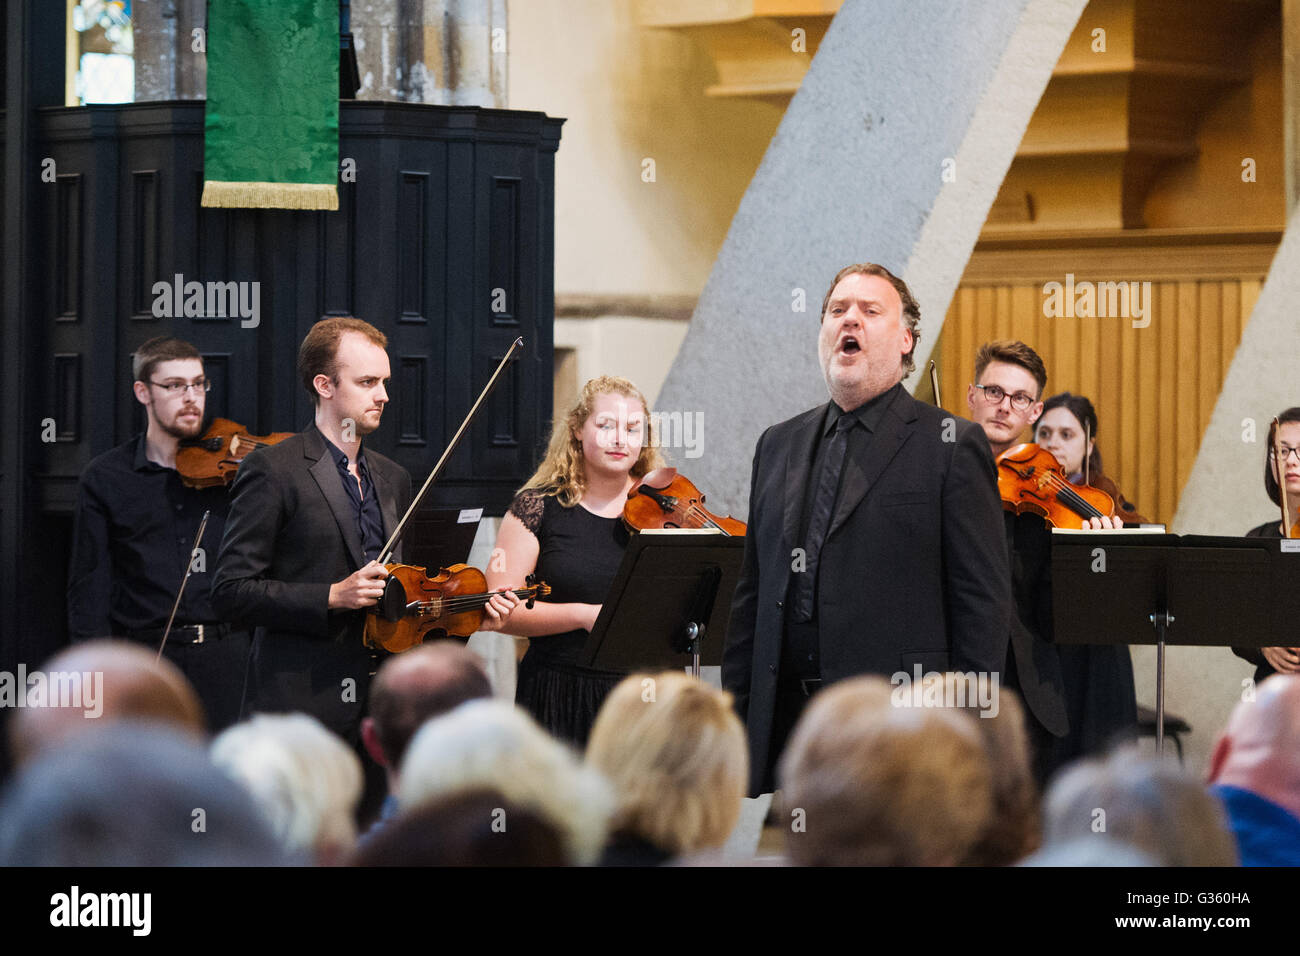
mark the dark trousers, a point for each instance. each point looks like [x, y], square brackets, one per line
[217, 669]
[791, 699]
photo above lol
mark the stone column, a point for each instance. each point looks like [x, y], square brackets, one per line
[448, 52]
[166, 65]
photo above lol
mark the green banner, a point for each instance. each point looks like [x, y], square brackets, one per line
[272, 123]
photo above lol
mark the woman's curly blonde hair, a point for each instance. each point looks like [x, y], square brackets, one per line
[563, 471]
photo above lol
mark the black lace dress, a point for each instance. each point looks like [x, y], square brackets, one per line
[579, 554]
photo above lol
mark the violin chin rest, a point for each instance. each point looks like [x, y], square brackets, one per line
[392, 606]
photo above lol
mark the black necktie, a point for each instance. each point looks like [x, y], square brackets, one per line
[819, 519]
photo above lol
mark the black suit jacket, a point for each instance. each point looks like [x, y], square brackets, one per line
[913, 571]
[1037, 661]
[291, 533]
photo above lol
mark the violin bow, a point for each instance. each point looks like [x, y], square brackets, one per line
[934, 382]
[189, 569]
[1275, 436]
[386, 555]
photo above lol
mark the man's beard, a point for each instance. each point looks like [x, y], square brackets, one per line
[182, 431]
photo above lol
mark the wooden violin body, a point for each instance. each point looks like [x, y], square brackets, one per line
[665, 499]
[416, 607]
[214, 459]
[1031, 480]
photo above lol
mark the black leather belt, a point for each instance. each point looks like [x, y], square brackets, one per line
[185, 633]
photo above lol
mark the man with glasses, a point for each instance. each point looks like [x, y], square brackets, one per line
[1005, 400]
[135, 524]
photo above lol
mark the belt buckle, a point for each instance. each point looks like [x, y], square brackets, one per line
[198, 639]
[809, 685]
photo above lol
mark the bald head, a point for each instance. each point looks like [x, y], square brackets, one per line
[1260, 749]
[98, 682]
[410, 688]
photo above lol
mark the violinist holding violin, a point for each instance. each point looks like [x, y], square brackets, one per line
[566, 525]
[308, 520]
[1076, 697]
[134, 527]
[1281, 473]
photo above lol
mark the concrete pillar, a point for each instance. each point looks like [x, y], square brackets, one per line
[892, 151]
[166, 65]
[448, 52]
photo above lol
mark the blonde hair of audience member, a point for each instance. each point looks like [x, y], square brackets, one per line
[492, 744]
[867, 783]
[563, 471]
[1016, 828]
[305, 780]
[1152, 805]
[135, 686]
[675, 752]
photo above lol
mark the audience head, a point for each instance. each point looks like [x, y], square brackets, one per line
[410, 688]
[131, 794]
[867, 783]
[467, 828]
[1098, 851]
[675, 752]
[1152, 805]
[304, 779]
[1015, 829]
[1259, 750]
[105, 681]
[490, 744]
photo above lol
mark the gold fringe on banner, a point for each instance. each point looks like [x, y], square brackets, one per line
[270, 195]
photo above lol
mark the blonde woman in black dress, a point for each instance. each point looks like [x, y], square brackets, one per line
[565, 525]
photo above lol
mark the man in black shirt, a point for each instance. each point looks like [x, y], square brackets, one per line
[135, 524]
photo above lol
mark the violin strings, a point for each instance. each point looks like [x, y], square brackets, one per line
[1070, 498]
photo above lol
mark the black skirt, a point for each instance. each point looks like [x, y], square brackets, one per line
[562, 697]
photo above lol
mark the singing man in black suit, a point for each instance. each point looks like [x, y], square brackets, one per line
[875, 530]
[308, 519]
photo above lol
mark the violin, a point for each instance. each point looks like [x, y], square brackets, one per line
[1030, 479]
[215, 458]
[450, 604]
[665, 499]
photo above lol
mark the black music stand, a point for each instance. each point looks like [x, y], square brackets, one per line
[669, 605]
[1220, 591]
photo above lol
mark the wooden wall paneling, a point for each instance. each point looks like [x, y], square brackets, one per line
[1187, 430]
[1169, 419]
[412, 256]
[1143, 492]
[985, 321]
[1230, 326]
[1209, 315]
[1026, 306]
[1123, 414]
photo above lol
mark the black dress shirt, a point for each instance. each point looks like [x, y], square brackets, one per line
[365, 503]
[800, 654]
[134, 525]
